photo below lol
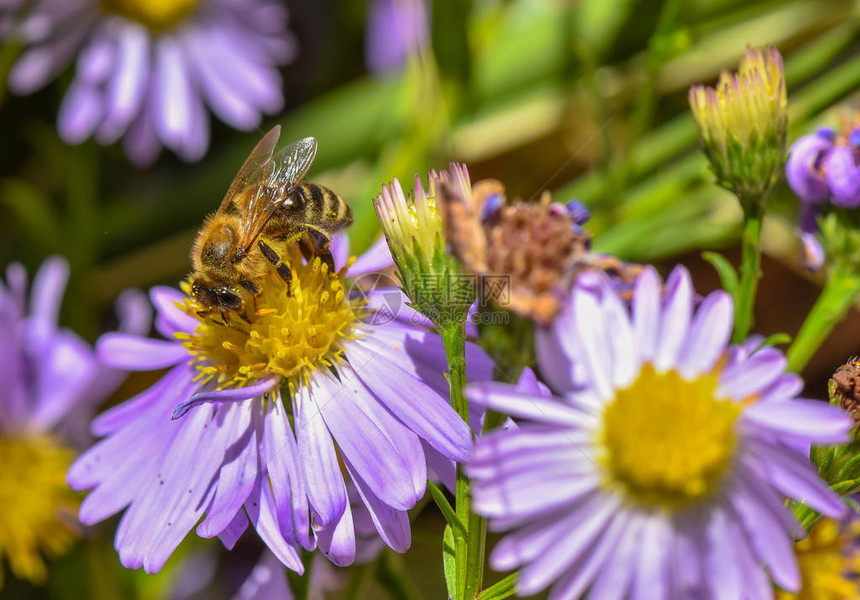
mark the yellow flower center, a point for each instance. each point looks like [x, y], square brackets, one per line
[668, 441]
[829, 566]
[38, 507]
[287, 333]
[157, 15]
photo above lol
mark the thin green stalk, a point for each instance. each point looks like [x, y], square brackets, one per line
[300, 585]
[750, 268]
[469, 546]
[839, 293]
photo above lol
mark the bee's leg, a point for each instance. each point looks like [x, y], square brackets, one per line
[314, 243]
[272, 256]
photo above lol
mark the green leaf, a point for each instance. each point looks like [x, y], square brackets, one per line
[775, 339]
[727, 273]
[449, 562]
[502, 589]
[445, 506]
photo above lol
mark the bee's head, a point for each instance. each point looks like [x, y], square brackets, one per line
[219, 297]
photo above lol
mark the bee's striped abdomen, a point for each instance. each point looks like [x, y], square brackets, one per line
[324, 208]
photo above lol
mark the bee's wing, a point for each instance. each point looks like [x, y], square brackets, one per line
[275, 181]
[260, 155]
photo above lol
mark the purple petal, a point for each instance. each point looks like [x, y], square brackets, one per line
[569, 548]
[175, 498]
[69, 360]
[507, 399]
[173, 94]
[809, 421]
[590, 327]
[141, 143]
[127, 89]
[337, 541]
[646, 312]
[238, 474]
[803, 169]
[392, 524]
[674, 318]
[324, 480]
[573, 584]
[843, 177]
[418, 406]
[708, 336]
[409, 447]
[41, 63]
[650, 580]
[226, 396]
[80, 113]
[231, 534]
[133, 311]
[363, 443]
[134, 353]
[165, 300]
[285, 475]
[752, 374]
[48, 287]
[377, 258]
[261, 511]
[793, 475]
[123, 414]
[769, 538]
[721, 556]
[230, 106]
[614, 580]
[395, 30]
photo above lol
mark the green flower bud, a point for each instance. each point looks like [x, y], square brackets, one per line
[743, 123]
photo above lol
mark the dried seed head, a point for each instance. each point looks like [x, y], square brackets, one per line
[540, 246]
[845, 389]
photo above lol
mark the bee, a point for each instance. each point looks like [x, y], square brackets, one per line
[266, 209]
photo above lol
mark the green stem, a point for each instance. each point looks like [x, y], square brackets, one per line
[469, 546]
[750, 267]
[300, 585]
[839, 293]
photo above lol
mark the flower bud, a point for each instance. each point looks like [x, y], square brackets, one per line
[743, 122]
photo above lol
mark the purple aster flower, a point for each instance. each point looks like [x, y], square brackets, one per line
[396, 29]
[147, 70]
[805, 167]
[661, 468]
[51, 381]
[256, 420]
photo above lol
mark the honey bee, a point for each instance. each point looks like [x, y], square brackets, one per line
[265, 209]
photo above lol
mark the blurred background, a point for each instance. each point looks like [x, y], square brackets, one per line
[586, 99]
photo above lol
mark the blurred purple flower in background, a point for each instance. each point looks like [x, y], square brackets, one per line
[395, 30]
[51, 382]
[662, 467]
[823, 168]
[146, 70]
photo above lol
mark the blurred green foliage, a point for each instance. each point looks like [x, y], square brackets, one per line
[587, 99]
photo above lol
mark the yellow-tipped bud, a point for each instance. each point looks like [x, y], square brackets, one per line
[743, 123]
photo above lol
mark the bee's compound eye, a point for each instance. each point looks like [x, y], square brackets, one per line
[225, 298]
